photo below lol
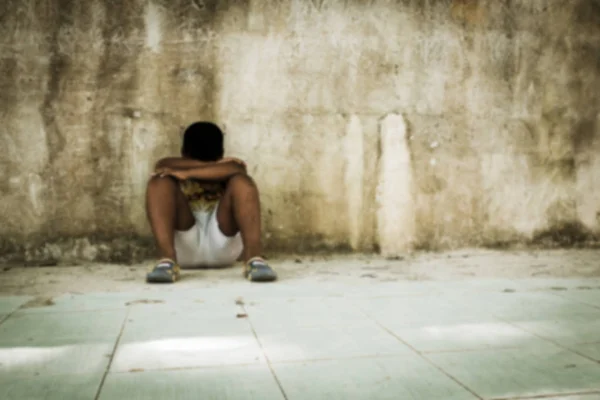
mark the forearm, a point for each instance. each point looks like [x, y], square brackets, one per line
[180, 163]
[218, 172]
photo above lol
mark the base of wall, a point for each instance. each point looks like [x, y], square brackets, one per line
[134, 249]
[73, 251]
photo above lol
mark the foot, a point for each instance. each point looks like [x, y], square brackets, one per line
[257, 270]
[165, 271]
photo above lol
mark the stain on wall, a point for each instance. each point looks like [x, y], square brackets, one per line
[392, 125]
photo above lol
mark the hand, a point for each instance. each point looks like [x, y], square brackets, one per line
[232, 159]
[175, 173]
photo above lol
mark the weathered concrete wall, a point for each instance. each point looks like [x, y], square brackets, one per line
[387, 125]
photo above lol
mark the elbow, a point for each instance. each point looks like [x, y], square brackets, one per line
[242, 170]
[239, 170]
[160, 164]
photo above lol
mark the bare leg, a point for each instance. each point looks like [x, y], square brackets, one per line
[167, 211]
[239, 211]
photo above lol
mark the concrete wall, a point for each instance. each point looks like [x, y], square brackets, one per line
[390, 125]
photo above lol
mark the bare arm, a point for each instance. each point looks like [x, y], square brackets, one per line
[179, 163]
[215, 172]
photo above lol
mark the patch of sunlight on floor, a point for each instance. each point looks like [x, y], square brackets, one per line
[207, 344]
[185, 352]
[19, 356]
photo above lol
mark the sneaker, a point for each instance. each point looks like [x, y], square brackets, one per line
[257, 270]
[165, 271]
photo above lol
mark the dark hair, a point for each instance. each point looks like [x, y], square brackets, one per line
[203, 141]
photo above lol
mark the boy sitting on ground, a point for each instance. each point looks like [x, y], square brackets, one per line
[204, 210]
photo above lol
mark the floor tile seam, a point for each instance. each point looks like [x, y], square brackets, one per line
[472, 350]
[112, 356]
[341, 358]
[56, 308]
[123, 303]
[585, 343]
[260, 345]
[552, 341]
[60, 311]
[281, 362]
[73, 312]
[96, 341]
[253, 364]
[190, 368]
[13, 311]
[505, 317]
[28, 376]
[263, 332]
[425, 358]
[419, 324]
[549, 396]
[593, 305]
[6, 317]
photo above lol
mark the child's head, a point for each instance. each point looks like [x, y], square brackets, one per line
[203, 141]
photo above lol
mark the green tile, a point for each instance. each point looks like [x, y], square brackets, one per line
[462, 336]
[270, 315]
[527, 306]
[570, 329]
[388, 378]
[43, 329]
[54, 387]
[160, 337]
[296, 343]
[11, 303]
[423, 311]
[162, 321]
[591, 297]
[308, 287]
[231, 383]
[591, 350]
[287, 289]
[542, 369]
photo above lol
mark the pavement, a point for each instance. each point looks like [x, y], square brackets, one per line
[353, 336]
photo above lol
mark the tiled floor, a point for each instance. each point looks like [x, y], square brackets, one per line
[386, 340]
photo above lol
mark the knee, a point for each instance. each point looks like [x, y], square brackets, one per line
[156, 183]
[241, 181]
